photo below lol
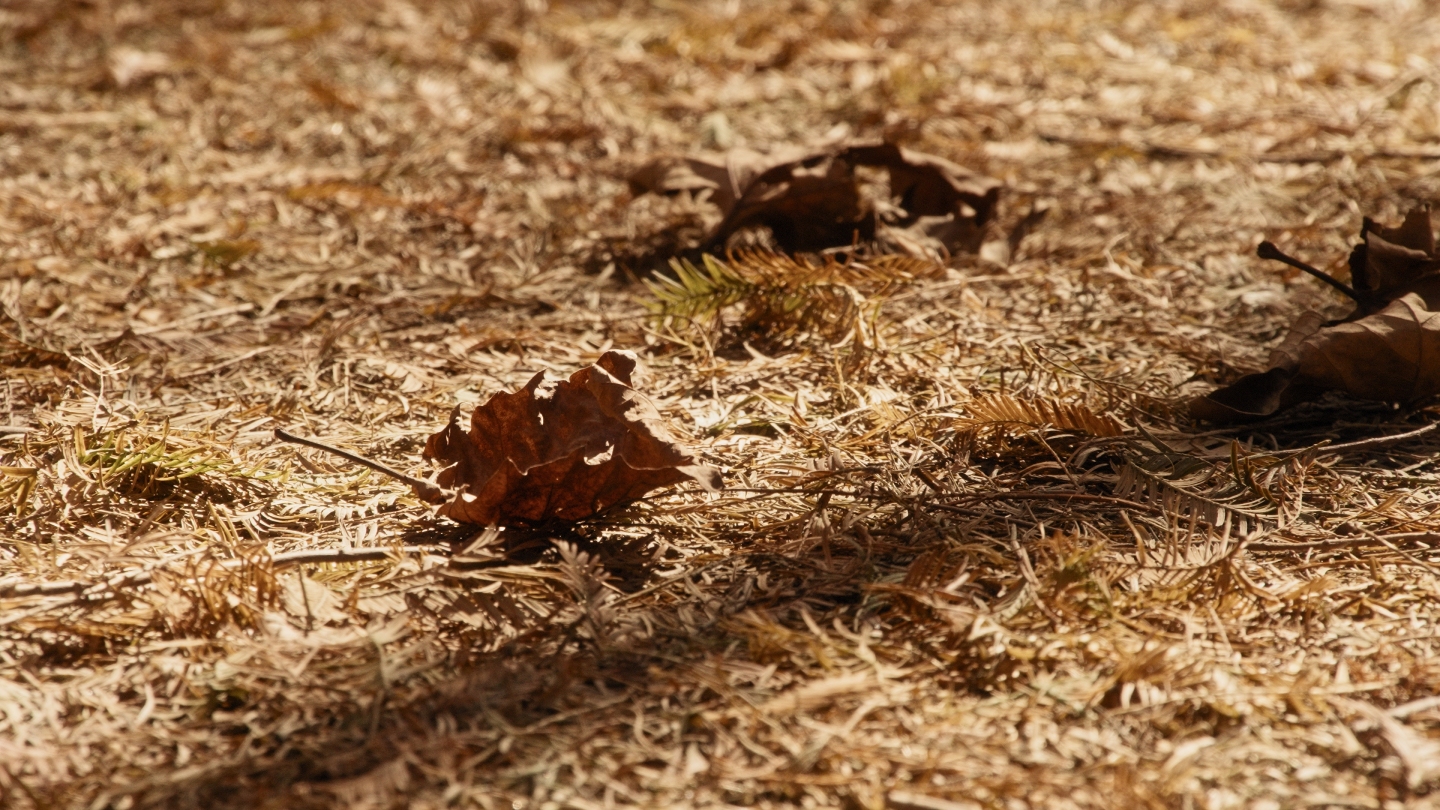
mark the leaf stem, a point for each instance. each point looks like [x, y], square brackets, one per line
[1267, 250]
[426, 490]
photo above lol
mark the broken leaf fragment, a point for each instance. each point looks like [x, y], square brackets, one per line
[814, 200]
[1391, 262]
[1387, 349]
[559, 450]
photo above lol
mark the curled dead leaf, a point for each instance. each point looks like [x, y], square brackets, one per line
[813, 200]
[1387, 349]
[559, 449]
[1391, 262]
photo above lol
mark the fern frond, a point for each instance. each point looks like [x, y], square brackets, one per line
[780, 297]
[1040, 414]
[1196, 488]
[999, 425]
[696, 294]
[586, 577]
[496, 612]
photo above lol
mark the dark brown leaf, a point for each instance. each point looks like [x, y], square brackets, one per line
[560, 449]
[1390, 262]
[813, 200]
[1387, 349]
[17, 353]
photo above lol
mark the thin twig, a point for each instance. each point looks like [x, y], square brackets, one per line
[1040, 495]
[144, 577]
[1415, 538]
[425, 490]
[1363, 444]
[975, 513]
[1429, 566]
[1380, 441]
[1404, 710]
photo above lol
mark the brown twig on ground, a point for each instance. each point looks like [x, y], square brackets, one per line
[424, 489]
[15, 589]
[1348, 542]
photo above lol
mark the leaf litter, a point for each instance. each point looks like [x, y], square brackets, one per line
[815, 200]
[929, 582]
[1387, 349]
[556, 451]
[560, 450]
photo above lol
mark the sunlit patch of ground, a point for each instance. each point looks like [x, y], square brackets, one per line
[951, 563]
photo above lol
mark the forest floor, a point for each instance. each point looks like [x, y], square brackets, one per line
[973, 552]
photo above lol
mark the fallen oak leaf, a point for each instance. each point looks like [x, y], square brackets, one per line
[722, 177]
[559, 450]
[1392, 355]
[812, 201]
[1391, 262]
[1387, 348]
[554, 450]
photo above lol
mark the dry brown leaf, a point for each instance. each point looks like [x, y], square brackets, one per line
[16, 353]
[813, 200]
[1390, 262]
[560, 449]
[1387, 349]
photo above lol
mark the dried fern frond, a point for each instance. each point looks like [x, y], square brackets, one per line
[1192, 487]
[998, 425]
[780, 297]
[1038, 414]
[587, 578]
[141, 465]
[495, 614]
[871, 275]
